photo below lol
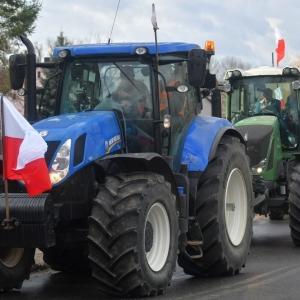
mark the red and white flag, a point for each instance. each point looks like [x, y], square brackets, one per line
[280, 46]
[23, 151]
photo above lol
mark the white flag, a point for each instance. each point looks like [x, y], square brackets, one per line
[153, 18]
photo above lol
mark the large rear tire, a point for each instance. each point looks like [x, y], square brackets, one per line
[15, 265]
[294, 204]
[133, 236]
[224, 208]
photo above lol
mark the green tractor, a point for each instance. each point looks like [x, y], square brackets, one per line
[262, 104]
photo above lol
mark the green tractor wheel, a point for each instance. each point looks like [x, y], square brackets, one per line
[294, 203]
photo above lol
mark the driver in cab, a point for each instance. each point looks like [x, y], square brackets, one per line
[132, 94]
[268, 103]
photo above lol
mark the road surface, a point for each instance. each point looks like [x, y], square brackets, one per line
[272, 272]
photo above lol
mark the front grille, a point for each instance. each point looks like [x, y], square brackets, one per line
[258, 139]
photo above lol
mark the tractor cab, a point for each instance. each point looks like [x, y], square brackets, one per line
[263, 95]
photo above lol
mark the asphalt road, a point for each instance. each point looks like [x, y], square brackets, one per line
[272, 272]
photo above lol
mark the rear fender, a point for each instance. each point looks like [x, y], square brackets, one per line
[202, 140]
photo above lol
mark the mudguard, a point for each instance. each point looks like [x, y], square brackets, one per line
[200, 139]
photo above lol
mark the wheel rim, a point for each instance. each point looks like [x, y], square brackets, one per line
[157, 251]
[10, 257]
[236, 207]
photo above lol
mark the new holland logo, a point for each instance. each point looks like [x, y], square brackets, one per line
[44, 133]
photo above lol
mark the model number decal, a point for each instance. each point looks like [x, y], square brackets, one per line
[112, 142]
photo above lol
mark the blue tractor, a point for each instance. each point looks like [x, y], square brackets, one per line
[140, 179]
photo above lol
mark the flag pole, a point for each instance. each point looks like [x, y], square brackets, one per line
[7, 214]
[155, 27]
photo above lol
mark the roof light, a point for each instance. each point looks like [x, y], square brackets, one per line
[63, 53]
[286, 71]
[236, 73]
[210, 47]
[294, 71]
[141, 50]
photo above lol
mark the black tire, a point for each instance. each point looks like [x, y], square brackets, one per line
[276, 214]
[122, 233]
[224, 250]
[294, 204]
[70, 261]
[15, 265]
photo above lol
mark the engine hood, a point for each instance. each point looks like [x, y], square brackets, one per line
[258, 120]
[65, 126]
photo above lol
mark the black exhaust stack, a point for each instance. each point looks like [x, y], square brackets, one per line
[30, 108]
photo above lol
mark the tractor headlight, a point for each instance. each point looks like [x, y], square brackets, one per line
[61, 163]
[260, 167]
[296, 85]
[227, 87]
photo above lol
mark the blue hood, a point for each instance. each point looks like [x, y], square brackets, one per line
[93, 134]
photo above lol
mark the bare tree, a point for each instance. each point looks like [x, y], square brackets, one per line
[38, 51]
[219, 67]
[296, 62]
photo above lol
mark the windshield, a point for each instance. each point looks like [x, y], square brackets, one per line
[94, 85]
[126, 86]
[266, 95]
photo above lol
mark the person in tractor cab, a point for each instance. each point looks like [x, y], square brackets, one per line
[132, 94]
[268, 103]
[273, 106]
[177, 100]
[291, 114]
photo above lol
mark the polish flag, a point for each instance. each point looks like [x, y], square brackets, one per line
[280, 46]
[23, 151]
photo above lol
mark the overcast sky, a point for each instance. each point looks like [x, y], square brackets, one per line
[241, 28]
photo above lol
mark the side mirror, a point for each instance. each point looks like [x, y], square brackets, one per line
[80, 72]
[17, 71]
[210, 81]
[77, 73]
[197, 60]
[216, 107]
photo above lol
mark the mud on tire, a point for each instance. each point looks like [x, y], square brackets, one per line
[224, 212]
[133, 235]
